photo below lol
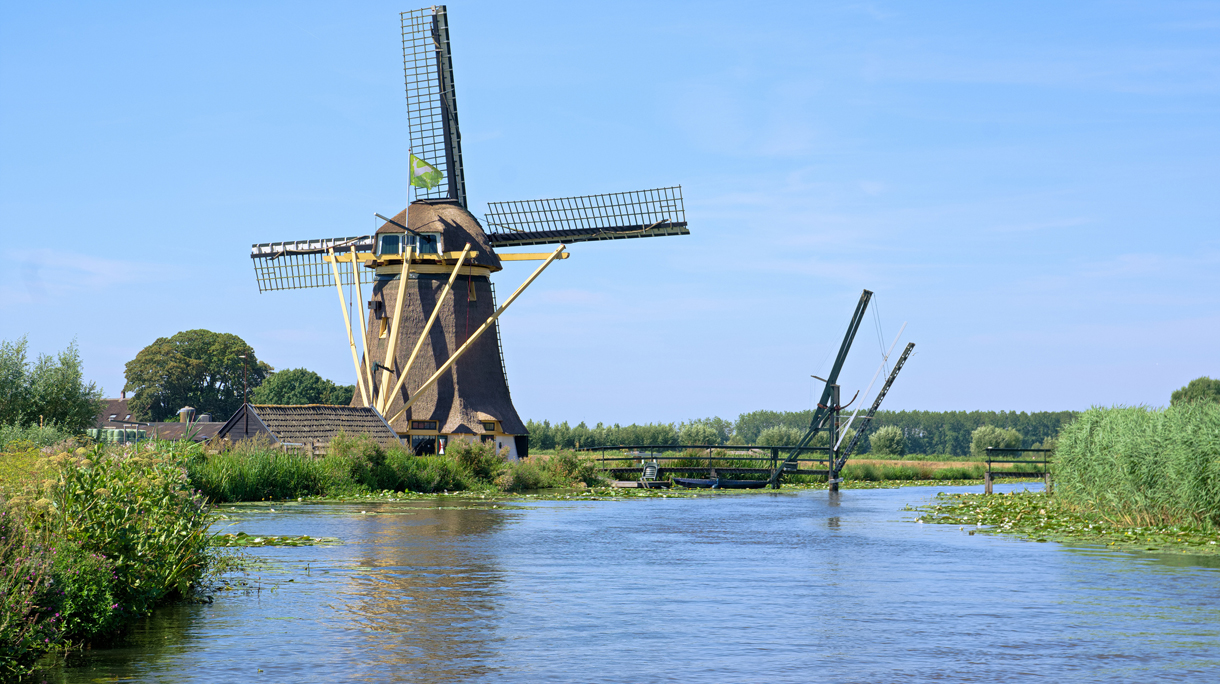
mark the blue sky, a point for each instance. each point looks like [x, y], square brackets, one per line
[1033, 187]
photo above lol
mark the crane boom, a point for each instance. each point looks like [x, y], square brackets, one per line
[842, 459]
[819, 416]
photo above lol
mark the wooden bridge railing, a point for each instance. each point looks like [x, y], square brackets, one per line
[649, 452]
[1041, 465]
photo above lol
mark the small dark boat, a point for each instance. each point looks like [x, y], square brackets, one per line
[719, 483]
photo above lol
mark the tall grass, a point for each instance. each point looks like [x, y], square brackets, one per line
[1141, 466]
[254, 471]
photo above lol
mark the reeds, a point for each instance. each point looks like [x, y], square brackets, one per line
[1142, 466]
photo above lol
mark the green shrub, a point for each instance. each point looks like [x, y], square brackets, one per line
[523, 476]
[992, 436]
[478, 458]
[888, 440]
[698, 433]
[137, 510]
[426, 473]
[25, 573]
[1199, 389]
[782, 436]
[1139, 466]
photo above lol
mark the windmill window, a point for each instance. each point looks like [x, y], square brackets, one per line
[389, 243]
[384, 332]
[423, 425]
[429, 243]
[423, 445]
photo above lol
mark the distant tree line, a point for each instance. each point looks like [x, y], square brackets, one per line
[916, 432]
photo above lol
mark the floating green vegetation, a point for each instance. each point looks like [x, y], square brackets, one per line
[242, 539]
[1042, 517]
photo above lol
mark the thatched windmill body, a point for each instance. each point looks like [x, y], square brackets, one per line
[432, 359]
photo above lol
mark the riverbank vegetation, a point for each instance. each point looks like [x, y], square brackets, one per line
[255, 471]
[1125, 476]
[91, 538]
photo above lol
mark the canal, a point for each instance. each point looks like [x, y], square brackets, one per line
[788, 586]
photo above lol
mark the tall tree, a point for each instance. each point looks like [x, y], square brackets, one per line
[53, 391]
[302, 386]
[197, 368]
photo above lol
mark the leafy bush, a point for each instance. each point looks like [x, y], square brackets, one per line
[1199, 389]
[51, 392]
[699, 433]
[887, 441]
[33, 434]
[478, 458]
[1134, 465]
[89, 540]
[139, 511]
[781, 435]
[302, 386]
[992, 436]
[25, 573]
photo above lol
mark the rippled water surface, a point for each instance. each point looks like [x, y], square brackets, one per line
[746, 587]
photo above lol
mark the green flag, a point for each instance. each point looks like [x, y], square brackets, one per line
[424, 175]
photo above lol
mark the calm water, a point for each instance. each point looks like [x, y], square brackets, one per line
[748, 587]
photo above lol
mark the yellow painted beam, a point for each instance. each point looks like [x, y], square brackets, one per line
[384, 399]
[347, 321]
[436, 309]
[530, 256]
[471, 340]
[364, 334]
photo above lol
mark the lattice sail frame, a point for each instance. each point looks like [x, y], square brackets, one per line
[431, 103]
[299, 264]
[612, 216]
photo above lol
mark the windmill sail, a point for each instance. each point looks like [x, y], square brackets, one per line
[613, 216]
[300, 264]
[431, 103]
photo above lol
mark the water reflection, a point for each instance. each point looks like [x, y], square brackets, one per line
[724, 588]
[429, 598]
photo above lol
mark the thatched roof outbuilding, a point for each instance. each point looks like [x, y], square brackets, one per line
[309, 424]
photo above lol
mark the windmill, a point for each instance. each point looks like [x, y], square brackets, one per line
[432, 361]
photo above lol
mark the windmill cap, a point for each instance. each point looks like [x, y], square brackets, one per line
[456, 225]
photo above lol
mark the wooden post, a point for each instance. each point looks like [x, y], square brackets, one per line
[987, 480]
[347, 321]
[482, 328]
[384, 399]
[833, 452]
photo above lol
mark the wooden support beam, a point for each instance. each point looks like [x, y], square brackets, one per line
[389, 352]
[436, 309]
[482, 328]
[347, 321]
[364, 334]
[530, 256]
